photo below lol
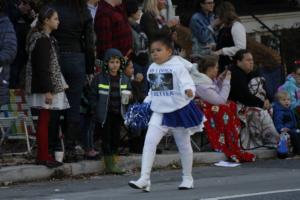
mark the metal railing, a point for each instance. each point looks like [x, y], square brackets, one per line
[276, 36]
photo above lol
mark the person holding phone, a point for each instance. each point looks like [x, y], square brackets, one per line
[222, 120]
[213, 88]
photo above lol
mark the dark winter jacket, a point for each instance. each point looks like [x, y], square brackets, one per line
[43, 72]
[283, 117]
[140, 45]
[8, 50]
[21, 23]
[100, 92]
[76, 33]
[150, 25]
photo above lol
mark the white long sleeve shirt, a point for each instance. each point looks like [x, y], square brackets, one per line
[168, 83]
[93, 10]
[238, 33]
[214, 92]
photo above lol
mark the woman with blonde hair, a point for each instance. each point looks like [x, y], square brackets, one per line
[152, 21]
[154, 6]
[232, 35]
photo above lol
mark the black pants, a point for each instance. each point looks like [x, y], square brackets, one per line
[136, 140]
[295, 140]
[73, 69]
[54, 141]
[110, 134]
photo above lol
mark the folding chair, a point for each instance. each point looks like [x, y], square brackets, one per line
[6, 123]
[16, 121]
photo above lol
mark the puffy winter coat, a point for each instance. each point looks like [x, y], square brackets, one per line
[8, 50]
[293, 89]
[283, 117]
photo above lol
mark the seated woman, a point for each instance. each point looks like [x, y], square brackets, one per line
[259, 129]
[222, 123]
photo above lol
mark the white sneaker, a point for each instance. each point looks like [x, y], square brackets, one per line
[187, 183]
[140, 184]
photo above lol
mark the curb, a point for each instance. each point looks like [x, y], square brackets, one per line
[26, 173]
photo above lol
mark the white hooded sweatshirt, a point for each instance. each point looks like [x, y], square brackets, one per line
[168, 82]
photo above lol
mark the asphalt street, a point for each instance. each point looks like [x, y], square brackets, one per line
[262, 180]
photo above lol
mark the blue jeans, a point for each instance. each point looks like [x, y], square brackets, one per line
[73, 68]
[87, 131]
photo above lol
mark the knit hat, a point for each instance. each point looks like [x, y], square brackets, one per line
[132, 6]
[113, 53]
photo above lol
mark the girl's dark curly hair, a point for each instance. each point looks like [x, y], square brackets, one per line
[164, 38]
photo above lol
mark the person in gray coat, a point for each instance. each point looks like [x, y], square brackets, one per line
[8, 50]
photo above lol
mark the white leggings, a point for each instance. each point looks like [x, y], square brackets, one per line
[155, 134]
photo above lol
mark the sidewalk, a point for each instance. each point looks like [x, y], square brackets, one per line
[27, 172]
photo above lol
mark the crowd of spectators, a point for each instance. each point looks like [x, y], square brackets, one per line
[100, 48]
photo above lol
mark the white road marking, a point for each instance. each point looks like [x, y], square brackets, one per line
[252, 194]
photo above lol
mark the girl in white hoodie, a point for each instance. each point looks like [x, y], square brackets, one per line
[171, 93]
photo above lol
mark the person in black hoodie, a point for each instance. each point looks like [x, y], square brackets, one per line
[259, 129]
[241, 74]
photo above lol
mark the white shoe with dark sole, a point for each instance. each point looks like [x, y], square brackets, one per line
[187, 183]
[141, 185]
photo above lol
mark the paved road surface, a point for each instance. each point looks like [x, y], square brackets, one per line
[263, 180]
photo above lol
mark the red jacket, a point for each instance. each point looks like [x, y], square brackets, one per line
[112, 29]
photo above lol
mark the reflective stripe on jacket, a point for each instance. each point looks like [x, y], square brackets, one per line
[99, 95]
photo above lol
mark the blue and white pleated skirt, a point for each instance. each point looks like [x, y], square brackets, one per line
[189, 118]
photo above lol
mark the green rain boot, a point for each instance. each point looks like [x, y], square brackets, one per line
[110, 166]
